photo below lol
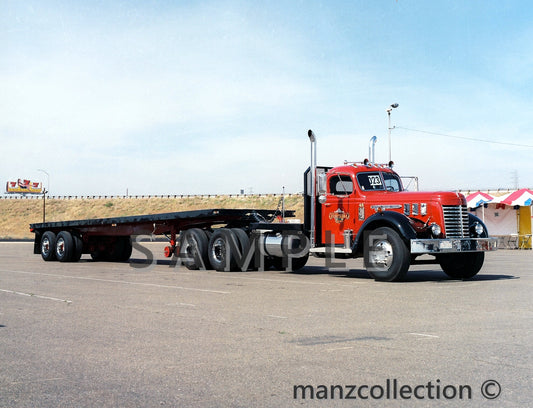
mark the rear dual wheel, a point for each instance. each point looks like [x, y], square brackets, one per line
[193, 249]
[65, 247]
[228, 249]
[48, 246]
[224, 249]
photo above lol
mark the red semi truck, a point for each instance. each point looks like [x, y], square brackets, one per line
[358, 209]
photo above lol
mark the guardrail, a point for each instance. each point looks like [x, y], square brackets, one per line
[145, 196]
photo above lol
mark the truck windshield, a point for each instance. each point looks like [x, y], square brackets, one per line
[372, 181]
[392, 182]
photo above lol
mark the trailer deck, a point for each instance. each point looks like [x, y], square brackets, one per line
[110, 238]
[159, 224]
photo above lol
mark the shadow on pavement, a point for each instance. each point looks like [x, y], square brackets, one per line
[412, 276]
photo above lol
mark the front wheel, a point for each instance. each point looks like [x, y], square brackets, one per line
[387, 257]
[462, 266]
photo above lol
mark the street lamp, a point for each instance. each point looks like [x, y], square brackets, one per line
[47, 179]
[389, 109]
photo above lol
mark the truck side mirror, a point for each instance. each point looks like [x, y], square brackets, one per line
[322, 184]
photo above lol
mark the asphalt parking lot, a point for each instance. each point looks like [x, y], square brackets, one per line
[103, 334]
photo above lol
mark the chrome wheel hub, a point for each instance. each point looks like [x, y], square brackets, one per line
[382, 254]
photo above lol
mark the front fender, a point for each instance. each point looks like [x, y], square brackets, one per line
[391, 219]
[472, 219]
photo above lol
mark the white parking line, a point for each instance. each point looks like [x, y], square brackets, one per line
[339, 348]
[118, 281]
[424, 335]
[278, 317]
[181, 304]
[35, 296]
[38, 381]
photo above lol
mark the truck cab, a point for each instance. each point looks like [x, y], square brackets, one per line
[362, 209]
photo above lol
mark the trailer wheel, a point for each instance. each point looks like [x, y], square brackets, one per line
[462, 266]
[48, 246]
[221, 250]
[193, 249]
[98, 256]
[111, 249]
[126, 249]
[64, 246]
[119, 250]
[78, 247]
[386, 255]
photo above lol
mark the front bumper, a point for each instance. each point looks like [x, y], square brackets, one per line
[451, 245]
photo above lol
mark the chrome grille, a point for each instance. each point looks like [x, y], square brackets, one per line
[455, 221]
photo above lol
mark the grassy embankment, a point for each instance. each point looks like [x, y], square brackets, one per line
[16, 215]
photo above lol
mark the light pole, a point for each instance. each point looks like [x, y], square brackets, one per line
[47, 179]
[44, 192]
[389, 109]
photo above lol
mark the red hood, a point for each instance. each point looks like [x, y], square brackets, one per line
[400, 197]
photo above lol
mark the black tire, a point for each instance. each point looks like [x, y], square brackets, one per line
[126, 250]
[64, 246]
[289, 247]
[299, 263]
[244, 246]
[48, 246]
[387, 256]
[119, 249]
[98, 249]
[221, 250]
[462, 266]
[98, 256]
[78, 247]
[274, 262]
[280, 264]
[193, 249]
[208, 234]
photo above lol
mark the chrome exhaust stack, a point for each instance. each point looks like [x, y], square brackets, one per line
[312, 139]
[371, 149]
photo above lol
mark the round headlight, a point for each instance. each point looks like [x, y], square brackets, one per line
[322, 199]
[435, 230]
[478, 229]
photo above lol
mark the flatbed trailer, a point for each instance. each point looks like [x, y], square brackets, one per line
[109, 239]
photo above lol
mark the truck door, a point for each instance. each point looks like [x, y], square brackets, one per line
[338, 212]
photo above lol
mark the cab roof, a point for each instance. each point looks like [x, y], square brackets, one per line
[359, 167]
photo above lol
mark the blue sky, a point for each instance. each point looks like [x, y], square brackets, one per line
[183, 97]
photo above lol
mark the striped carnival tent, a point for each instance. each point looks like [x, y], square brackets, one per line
[522, 198]
[478, 198]
[511, 216]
